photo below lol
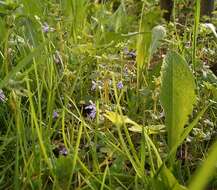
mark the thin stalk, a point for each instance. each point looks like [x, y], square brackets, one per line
[38, 130]
[195, 32]
[75, 153]
[104, 177]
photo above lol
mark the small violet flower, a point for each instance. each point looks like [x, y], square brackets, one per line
[120, 85]
[2, 96]
[91, 110]
[46, 28]
[55, 115]
[63, 151]
[130, 54]
[60, 151]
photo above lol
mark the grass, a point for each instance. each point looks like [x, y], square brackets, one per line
[80, 104]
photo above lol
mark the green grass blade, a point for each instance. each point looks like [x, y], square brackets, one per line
[75, 157]
[205, 172]
[21, 65]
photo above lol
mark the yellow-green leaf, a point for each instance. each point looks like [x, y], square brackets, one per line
[177, 95]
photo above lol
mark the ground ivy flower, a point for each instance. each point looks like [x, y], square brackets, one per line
[55, 115]
[60, 150]
[120, 85]
[46, 28]
[2, 96]
[63, 151]
[91, 110]
[130, 54]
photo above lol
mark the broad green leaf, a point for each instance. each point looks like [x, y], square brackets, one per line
[177, 95]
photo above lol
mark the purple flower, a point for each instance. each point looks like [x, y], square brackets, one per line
[2, 96]
[55, 115]
[60, 150]
[91, 110]
[46, 28]
[130, 54]
[63, 151]
[120, 85]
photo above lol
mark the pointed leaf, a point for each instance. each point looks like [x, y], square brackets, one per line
[177, 95]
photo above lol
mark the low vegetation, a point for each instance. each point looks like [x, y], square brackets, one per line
[107, 95]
